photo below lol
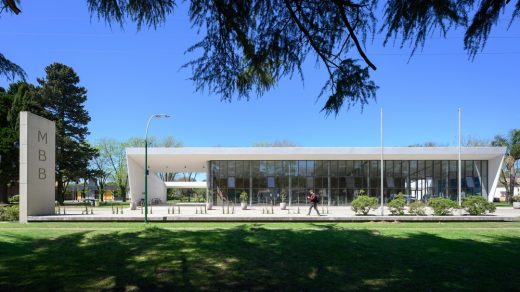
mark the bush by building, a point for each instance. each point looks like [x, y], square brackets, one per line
[477, 205]
[14, 199]
[442, 206]
[417, 209]
[396, 205]
[363, 204]
[9, 213]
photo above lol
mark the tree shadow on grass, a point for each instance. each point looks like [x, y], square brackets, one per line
[258, 259]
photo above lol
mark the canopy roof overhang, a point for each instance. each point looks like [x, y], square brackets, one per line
[194, 159]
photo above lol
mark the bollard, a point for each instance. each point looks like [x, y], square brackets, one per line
[205, 209]
[117, 209]
[111, 206]
[298, 209]
[263, 211]
[233, 210]
[196, 211]
[64, 212]
[141, 209]
[151, 211]
[178, 209]
[121, 211]
[227, 207]
[168, 209]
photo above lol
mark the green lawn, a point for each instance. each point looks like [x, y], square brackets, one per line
[279, 256]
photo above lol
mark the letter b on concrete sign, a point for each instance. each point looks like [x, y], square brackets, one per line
[37, 160]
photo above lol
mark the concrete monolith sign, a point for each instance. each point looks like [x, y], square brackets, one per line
[37, 160]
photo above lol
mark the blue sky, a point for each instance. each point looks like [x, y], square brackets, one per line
[131, 75]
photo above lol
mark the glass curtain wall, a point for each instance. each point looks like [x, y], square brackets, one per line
[340, 181]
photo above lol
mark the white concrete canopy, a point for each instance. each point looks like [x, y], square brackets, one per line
[195, 159]
[186, 184]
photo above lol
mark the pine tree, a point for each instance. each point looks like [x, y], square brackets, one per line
[8, 157]
[63, 102]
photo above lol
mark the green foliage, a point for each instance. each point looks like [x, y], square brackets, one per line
[477, 205]
[363, 204]
[9, 213]
[10, 70]
[243, 197]
[442, 206]
[14, 199]
[282, 196]
[64, 102]
[396, 206]
[516, 198]
[512, 144]
[248, 46]
[417, 208]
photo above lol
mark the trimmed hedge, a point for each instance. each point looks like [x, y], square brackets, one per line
[442, 206]
[477, 205]
[396, 205]
[9, 213]
[417, 208]
[363, 204]
[14, 199]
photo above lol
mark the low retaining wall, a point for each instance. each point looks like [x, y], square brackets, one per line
[205, 218]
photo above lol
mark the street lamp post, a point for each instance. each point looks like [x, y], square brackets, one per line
[146, 164]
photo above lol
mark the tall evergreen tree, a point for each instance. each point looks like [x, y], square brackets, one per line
[8, 157]
[63, 102]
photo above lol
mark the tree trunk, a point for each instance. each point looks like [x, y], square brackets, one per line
[101, 191]
[3, 193]
[59, 191]
[122, 189]
[511, 184]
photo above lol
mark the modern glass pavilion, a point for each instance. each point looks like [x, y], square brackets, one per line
[337, 173]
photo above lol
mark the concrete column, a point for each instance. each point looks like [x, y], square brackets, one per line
[37, 166]
[156, 187]
[494, 167]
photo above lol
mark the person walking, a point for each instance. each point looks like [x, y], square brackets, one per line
[313, 199]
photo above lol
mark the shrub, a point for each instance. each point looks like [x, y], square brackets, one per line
[516, 198]
[442, 206]
[282, 196]
[243, 197]
[14, 199]
[477, 205]
[9, 213]
[363, 204]
[397, 205]
[417, 208]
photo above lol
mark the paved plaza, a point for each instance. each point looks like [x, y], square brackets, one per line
[256, 213]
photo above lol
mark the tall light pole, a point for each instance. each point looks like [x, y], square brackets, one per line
[382, 167]
[146, 164]
[459, 175]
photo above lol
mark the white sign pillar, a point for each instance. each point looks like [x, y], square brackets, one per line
[37, 166]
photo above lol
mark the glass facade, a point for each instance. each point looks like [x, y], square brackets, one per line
[339, 181]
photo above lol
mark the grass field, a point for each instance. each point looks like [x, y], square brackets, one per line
[278, 256]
